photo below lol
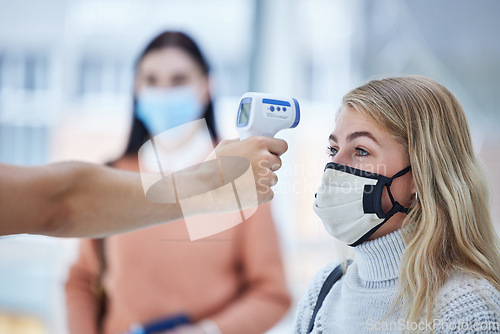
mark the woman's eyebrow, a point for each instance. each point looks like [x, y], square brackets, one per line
[355, 135]
[358, 134]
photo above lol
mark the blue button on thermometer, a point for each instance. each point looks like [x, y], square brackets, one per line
[262, 114]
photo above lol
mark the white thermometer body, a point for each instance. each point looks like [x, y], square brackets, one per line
[262, 114]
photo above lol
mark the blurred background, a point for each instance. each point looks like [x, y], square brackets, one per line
[66, 71]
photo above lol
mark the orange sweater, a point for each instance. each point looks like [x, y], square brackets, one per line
[235, 278]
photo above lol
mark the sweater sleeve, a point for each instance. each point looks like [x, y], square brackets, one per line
[264, 298]
[468, 306]
[81, 302]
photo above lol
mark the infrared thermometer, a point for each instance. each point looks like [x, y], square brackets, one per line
[262, 114]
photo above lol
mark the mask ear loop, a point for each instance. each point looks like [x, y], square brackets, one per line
[396, 206]
[401, 172]
[388, 186]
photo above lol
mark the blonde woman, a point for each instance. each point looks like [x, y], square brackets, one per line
[406, 190]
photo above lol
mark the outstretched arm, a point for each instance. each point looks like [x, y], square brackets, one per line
[75, 199]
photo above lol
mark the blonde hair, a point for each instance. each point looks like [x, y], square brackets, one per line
[451, 229]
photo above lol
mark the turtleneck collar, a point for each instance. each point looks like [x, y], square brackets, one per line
[379, 259]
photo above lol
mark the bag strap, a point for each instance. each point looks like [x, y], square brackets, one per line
[334, 276]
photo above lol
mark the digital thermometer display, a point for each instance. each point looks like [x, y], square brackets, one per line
[244, 113]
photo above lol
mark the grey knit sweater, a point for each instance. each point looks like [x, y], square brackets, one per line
[361, 301]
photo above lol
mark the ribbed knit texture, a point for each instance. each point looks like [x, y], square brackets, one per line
[362, 300]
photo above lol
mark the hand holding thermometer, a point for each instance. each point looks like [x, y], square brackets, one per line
[262, 114]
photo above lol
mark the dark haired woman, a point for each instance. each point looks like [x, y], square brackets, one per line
[232, 282]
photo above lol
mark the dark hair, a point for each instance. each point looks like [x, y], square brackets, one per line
[139, 133]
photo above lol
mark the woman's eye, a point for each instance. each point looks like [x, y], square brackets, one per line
[331, 151]
[361, 153]
[179, 80]
[150, 80]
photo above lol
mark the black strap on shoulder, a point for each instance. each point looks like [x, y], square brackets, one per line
[334, 276]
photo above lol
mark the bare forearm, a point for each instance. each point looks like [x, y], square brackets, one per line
[75, 199]
[103, 201]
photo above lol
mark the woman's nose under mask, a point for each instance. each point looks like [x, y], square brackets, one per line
[163, 109]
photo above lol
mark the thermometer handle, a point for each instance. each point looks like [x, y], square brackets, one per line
[246, 134]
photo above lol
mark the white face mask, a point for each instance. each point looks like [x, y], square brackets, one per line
[349, 202]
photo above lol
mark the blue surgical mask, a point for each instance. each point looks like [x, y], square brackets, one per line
[163, 109]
